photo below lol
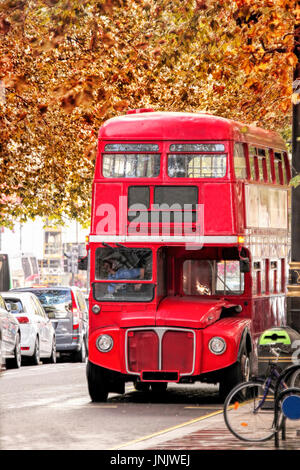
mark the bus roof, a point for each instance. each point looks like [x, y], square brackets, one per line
[184, 126]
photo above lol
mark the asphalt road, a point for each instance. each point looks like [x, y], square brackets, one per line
[48, 407]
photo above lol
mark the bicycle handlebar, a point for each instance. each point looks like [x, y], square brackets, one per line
[276, 351]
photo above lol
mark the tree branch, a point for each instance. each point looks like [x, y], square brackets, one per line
[281, 50]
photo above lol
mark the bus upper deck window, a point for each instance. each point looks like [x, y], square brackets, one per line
[284, 164]
[262, 165]
[131, 161]
[278, 167]
[268, 165]
[185, 163]
[287, 168]
[252, 157]
[240, 161]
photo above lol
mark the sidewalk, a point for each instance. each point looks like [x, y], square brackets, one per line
[211, 433]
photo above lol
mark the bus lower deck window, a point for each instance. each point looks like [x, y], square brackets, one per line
[210, 277]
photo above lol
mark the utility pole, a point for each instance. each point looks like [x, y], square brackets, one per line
[20, 232]
[293, 301]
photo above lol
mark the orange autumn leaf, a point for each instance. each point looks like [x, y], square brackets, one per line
[65, 71]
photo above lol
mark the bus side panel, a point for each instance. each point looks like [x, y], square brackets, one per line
[260, 314]
[218, 210]
[107, 207]
[268, 312]
[230, 329]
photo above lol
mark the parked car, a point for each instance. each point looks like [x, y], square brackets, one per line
[37, 332]
[10, 338]
[66, 308]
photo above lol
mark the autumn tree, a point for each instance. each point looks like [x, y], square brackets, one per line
[67, 66]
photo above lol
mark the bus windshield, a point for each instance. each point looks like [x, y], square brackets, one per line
[126, 264]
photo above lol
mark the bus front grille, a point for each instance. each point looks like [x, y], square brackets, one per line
[160, 349]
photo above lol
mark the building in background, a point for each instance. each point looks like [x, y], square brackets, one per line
[51, 265]
[54, 248]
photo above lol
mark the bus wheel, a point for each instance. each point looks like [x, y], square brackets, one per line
[159, 387]
[96, 382]
[235, 374]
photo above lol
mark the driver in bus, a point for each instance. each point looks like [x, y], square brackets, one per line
[122, 273]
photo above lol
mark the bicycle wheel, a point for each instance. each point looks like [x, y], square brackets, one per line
[295, 379]
[248, 415]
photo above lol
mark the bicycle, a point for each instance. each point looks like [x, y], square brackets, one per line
[249, 407]
[287, 401]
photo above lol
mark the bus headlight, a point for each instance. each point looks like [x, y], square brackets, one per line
[104, 343]
[217, 345]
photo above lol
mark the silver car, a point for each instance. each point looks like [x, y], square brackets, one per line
[66, 308]
[10, 338]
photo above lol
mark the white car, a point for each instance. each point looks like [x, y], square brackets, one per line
[37, 331]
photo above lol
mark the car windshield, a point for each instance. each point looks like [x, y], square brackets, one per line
[53, 296]
[56, 302]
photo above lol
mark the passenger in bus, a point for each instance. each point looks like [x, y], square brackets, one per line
[122, 273]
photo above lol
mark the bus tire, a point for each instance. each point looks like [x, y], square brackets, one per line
[239, 372]
[96, 383]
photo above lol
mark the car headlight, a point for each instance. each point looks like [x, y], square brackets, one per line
[104, 343]
[217, 345]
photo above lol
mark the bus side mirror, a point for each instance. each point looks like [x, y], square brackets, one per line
[82, 263]
[244, 265]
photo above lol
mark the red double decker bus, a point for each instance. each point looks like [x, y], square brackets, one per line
[187, 251]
